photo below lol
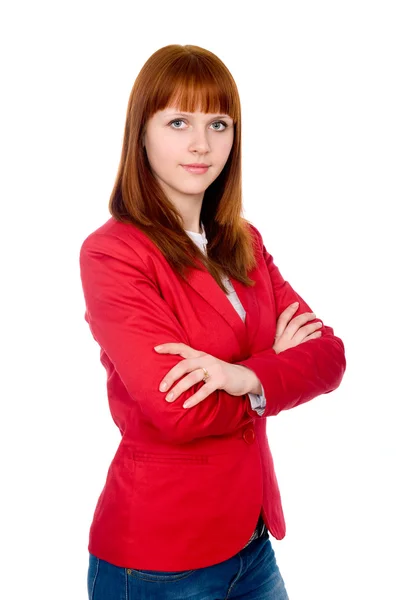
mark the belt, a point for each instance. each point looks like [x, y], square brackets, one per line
[260, 531]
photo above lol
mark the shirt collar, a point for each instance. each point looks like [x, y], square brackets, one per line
[200, 237]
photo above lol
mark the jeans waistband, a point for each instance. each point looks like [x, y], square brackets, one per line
[260, 530]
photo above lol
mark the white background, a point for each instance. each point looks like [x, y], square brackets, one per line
[320, 91]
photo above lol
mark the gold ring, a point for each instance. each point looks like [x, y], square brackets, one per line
[206, 375]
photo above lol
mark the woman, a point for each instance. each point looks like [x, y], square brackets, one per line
[191, 496]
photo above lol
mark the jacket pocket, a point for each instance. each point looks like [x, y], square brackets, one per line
[171, 459]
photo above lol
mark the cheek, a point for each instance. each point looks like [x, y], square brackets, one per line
[226, 146]
[170, 151]
[224, 153]
[162, 155]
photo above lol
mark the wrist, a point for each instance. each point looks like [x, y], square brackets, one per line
[253, 381]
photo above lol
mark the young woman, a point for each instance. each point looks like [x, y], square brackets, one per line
[191, 497]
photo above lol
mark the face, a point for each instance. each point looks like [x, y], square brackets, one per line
[173, 139]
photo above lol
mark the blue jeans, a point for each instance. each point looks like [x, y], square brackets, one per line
[252, 574]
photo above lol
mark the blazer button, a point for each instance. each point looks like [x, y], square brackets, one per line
[249, 436]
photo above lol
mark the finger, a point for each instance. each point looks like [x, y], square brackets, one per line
[313, 326]
[200, 395]
[184, 366]
[185, 384]
[180, 349]
[309, 327]
[172, 348]
[284, 318]
[304, 318]
[312, 336]
[297, 322]
[306, 330]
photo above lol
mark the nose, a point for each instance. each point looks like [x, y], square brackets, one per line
[199, 140]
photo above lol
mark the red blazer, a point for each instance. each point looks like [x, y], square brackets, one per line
[186, 486]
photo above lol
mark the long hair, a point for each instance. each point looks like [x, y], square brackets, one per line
[186, 77]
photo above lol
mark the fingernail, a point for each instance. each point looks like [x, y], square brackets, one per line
[157, 347]
[169, 396]
[163, 386]
[295, 304]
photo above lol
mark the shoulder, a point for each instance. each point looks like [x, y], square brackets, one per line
[121, 240]
[117, 240]
[254, 231]
[257, 239]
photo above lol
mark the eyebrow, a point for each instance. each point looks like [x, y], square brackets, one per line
[189, 114]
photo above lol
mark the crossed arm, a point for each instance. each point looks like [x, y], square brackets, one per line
[128, 317]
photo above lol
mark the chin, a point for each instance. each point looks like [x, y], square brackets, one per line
[192, 189]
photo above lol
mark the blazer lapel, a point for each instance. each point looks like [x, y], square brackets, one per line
[248, 300]
[205, 285]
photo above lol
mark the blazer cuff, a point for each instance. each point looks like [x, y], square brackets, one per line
[258, 402]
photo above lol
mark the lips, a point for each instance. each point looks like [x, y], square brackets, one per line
[198, 170]
[197, 165]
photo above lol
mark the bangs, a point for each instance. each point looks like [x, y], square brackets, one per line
[191, 84]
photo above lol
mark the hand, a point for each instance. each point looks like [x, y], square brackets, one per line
[234, 379]
[290, 333]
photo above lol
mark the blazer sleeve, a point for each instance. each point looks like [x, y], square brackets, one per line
[128, 316]
[303, 372]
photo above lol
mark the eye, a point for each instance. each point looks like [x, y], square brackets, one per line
[215, 123]
[221, 123]
[176, 121]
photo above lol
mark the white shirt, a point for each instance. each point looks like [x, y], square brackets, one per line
[258, 402]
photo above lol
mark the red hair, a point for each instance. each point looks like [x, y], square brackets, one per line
[189, 78]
